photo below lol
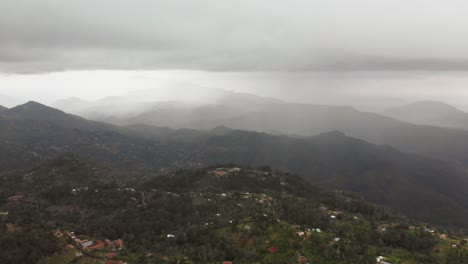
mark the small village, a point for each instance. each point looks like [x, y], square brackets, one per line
[80, 248]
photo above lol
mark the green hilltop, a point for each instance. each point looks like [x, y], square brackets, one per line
[207, 215]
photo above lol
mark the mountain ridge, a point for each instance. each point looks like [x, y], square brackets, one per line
[39, 112]
[332, 159]
[302, 120]
[433, 113]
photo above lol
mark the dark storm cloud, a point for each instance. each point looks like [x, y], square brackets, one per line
[237, 35]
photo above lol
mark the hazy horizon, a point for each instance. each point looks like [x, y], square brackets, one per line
[362, 53]
[364, 90]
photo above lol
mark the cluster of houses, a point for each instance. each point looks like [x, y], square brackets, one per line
[387, 227]
[263, 199]
[5, 224]
[304, 231]
[100, 245]
[427, 229]
[86, 189]
[333, 214]
[127, 189]
[462, 244]
[220, 172]
[16, 198]
[260, 198]
[90, 246]
[93, 246]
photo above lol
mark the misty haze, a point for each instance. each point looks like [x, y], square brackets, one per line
[321, 132]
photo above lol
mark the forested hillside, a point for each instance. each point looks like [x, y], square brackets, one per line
[72, 210]
[424, 188]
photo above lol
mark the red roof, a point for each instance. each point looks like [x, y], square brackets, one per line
[273, 249]
[119, 243]
[227, 262]
[220, 172]
[111, 255]
[114, 262]
[108, 243]
[98, 246]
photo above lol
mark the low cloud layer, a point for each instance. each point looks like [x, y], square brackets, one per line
[365, 90]
[244, 35]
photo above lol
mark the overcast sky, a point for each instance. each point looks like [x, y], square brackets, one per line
[414, 46]
[240, 35]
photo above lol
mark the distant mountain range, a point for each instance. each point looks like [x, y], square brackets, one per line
[307, 120]
[110, 109]
[122, 110]
[425, 188]
[430, 113]
[252, 113]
